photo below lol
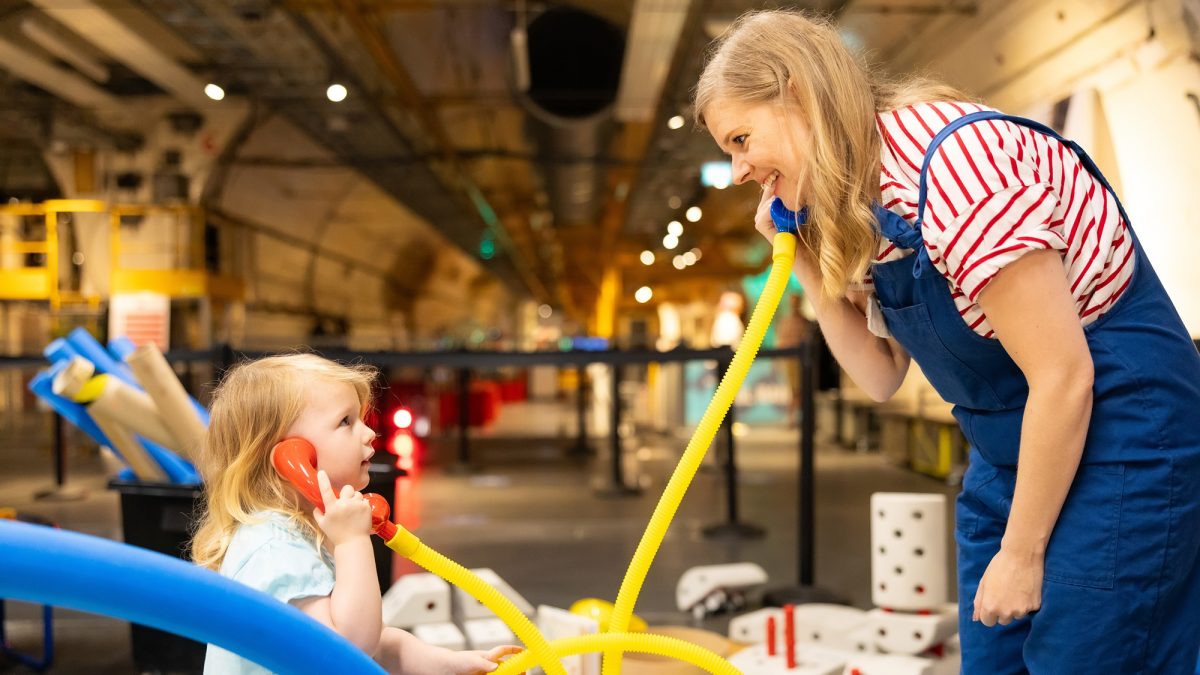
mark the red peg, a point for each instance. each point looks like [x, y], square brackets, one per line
[771, 647]
[789, 634]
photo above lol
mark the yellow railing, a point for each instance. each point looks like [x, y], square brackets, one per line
[181, 271]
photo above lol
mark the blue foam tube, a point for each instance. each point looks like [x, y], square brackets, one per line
[66, 569]
[178, 469]
[42, 386]
[90, 349]
[121, 347]
[59, 350]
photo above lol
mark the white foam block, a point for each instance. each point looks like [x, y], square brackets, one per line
[890, 664]
[441, 635]
[473, 609]
[810, 660]
[903, 633]
[828, 625]
[416, 599]
[488, 633]
[698, 582]
[557, 623]
[908, 550]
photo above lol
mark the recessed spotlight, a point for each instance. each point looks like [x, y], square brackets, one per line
[336, 93]
[214, 92]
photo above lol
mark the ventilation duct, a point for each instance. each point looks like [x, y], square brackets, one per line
[574, 71]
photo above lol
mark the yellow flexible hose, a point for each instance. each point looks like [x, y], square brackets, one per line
[408, 545]
[644, 643]
[782, 256]
[616, 640]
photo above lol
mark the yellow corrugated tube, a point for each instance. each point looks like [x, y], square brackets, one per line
[782, 257]
[643, 643]
[408, 545]
[617, 640]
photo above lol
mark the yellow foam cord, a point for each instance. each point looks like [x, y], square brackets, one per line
[617, 640]
[91, 390]
[644, 643]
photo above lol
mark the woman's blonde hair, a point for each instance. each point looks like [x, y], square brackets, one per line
[252, 409]
[789, 57]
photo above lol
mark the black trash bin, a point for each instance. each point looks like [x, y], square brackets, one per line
[159, 517]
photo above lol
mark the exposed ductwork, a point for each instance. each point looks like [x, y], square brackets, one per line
[574, 71]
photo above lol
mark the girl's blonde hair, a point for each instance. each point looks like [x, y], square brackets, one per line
[788, 57]
[252, 409]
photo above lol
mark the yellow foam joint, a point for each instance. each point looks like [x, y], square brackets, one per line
[617, 640]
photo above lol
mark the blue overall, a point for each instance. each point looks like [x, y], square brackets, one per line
[1122, 585]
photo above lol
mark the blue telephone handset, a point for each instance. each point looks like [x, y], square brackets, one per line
[786, 220]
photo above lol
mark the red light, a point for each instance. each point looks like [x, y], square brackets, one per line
[402, 418]
[401, 445]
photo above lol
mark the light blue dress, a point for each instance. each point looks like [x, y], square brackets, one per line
[273, 556]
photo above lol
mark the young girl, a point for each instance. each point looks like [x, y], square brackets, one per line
[259, 530]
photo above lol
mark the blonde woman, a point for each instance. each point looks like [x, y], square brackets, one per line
[995, 254]
[257, 528]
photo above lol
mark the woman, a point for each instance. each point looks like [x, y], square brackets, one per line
[995, 254]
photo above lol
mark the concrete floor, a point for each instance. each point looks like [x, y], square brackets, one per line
[528, 512]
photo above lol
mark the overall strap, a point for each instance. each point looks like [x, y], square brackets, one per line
[1031, 124]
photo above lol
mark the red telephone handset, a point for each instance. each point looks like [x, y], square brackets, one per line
[296, 460]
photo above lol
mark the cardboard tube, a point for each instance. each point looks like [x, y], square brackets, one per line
[134, 409]
[134, 454]
[174, 407]
[70, 380]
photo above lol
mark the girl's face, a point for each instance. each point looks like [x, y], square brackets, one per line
[331, 421]
[767, 142]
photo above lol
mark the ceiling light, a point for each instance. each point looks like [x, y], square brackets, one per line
[670, 241]
[336, 93]
[674, 202]
[545, 311]
[647, 257]
[693, 214]
[643, 294]
[689, 258]
[678, 262]
[675, 227]
[214, 92]
[696, 252]
[675, 122]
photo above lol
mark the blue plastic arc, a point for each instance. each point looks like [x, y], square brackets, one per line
[66, 569]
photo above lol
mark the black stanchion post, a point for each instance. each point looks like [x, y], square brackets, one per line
[732, 528]
[805, 591]
[617, 487]
[581, 447]
[463, 465]
[60, 492]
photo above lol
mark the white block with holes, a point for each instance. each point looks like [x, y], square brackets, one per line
[699, 582]
[416, 599]
[810, 660]
[487, 633]
[557, 623]
[901, 664]
[904, 633]
[828, 625]
[908, 550]
[470, 608]
[440, 635]
[751, 628]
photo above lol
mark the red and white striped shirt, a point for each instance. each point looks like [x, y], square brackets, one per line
[995, 191]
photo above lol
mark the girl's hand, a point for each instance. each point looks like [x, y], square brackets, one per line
[1011, 589]
[478, 662]
[344, 517]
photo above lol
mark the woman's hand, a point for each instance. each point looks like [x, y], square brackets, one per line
[762, 217]
[344, 517]
[1011, 588]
